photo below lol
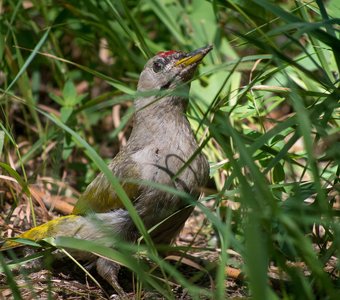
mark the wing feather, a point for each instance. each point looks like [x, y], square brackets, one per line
[100, 197]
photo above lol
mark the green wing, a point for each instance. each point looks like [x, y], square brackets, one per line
[100, 197]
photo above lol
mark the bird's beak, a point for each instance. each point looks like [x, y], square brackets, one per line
[194, 57]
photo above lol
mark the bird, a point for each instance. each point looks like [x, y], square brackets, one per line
[162, 149]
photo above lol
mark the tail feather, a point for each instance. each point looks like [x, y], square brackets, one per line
[96, 227]
[49, 229]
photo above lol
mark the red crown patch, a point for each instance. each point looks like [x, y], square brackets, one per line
[166, 53]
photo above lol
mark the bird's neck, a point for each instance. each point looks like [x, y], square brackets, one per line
[160, 117]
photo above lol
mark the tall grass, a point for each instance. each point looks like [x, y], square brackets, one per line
[265, 108]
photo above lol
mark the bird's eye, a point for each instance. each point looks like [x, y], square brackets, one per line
[158, 65]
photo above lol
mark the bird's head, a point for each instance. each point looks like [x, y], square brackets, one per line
[168, 69]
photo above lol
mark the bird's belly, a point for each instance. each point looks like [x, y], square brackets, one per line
[170, 168]
[160, 208]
